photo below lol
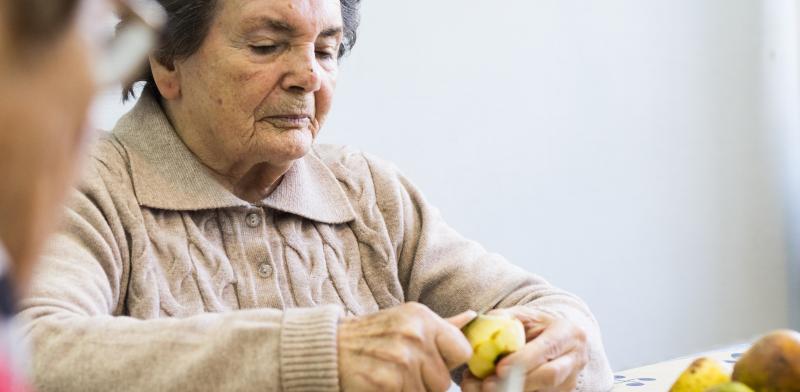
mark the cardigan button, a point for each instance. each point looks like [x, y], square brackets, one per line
[253, 219]
[264, 270]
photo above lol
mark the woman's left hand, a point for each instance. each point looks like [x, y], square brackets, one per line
[555, 353]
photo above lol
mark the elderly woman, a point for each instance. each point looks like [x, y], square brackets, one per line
[214, 246]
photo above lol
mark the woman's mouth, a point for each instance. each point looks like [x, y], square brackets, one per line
[289, 120]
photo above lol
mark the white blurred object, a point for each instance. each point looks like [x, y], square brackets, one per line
[118, 49]
[118, 55]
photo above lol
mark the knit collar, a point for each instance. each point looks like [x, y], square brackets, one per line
[167, 175]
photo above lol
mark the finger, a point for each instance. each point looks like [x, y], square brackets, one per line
[554, 374]
[412, 382]
[554, 342]
[452, 345]
[462, 319]
[571, 383]
[490, 384]
[470, 383]
[435, 374]
[534, 321]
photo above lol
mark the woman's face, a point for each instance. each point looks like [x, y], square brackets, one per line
[260, 86]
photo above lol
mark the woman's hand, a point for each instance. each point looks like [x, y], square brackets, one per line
[406, 348]
[555, 354]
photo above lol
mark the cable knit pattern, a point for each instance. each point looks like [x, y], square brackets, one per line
[163, 280]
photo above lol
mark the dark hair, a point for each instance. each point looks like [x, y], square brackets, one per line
[188, 22]
[33, 23]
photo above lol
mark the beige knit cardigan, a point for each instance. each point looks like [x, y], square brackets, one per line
[162, 280]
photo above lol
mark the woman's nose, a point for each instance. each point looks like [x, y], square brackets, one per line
[303, 71]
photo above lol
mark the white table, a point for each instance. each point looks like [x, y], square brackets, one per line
[660, 376]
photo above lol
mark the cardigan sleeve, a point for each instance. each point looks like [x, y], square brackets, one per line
[450, 274]
[74, 318]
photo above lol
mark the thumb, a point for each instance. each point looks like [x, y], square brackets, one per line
[462, 319]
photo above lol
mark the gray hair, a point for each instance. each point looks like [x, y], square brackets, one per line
[188, 22]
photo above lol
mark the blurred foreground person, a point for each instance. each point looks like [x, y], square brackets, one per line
[50, 68]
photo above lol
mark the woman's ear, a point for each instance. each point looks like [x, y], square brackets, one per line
[166, 79]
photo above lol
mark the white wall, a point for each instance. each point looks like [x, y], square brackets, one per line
[616, 147]
[782, 118]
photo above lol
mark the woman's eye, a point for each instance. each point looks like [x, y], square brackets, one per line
[325, 54]
[263, 49]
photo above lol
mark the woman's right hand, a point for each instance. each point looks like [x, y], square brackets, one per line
[405, 348]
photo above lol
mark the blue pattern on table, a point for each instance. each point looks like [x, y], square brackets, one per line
[632, 382]
[660, 376]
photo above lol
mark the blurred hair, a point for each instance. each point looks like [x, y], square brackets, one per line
[33, 23]
[188, 22]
